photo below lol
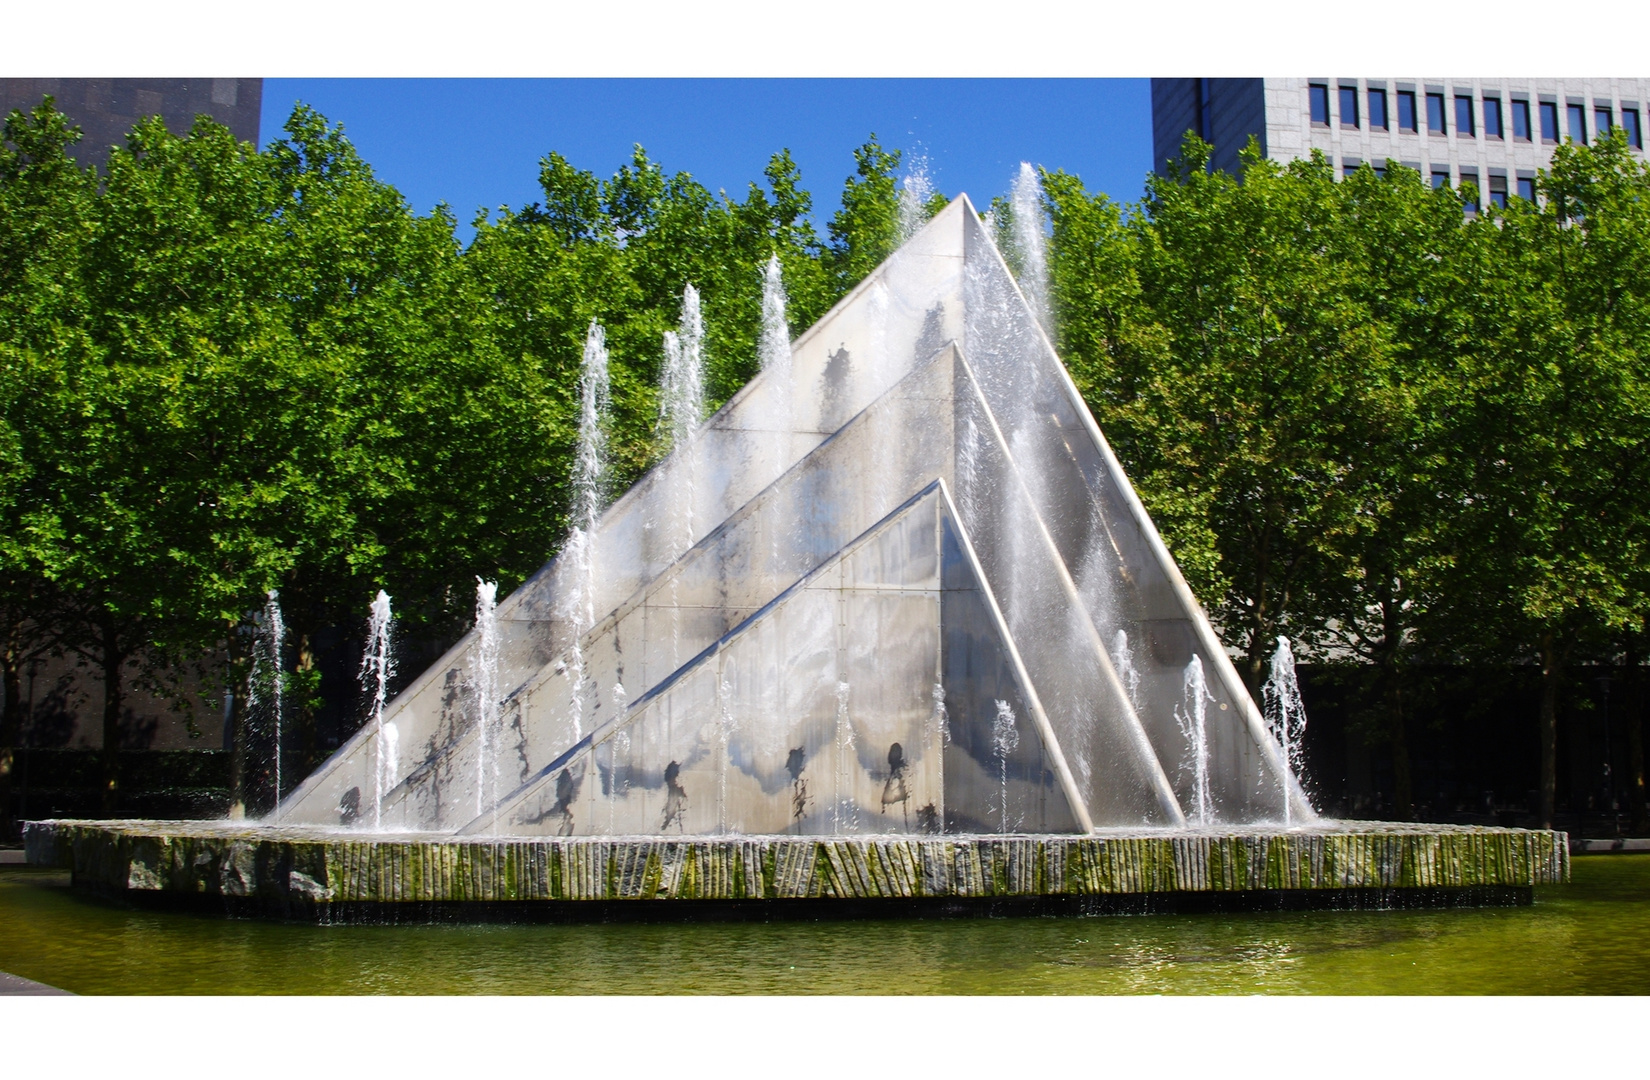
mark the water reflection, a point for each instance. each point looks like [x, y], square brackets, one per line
[1591, 937]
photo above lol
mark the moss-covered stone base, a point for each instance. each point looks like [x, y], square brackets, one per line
[292, 870]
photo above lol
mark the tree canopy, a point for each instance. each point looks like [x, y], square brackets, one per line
[1362, 413]
[1371, 418]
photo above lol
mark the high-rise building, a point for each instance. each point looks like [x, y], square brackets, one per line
[106, 109]
[1493, 133]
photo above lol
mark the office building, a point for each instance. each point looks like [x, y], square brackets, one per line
[1494, 133]
[106, 109]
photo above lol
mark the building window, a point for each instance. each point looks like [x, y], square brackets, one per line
[1526, 188]
[1498, 191]
[1521, 120]
[1469, 190]
[1549, 122]
[1492, 119]
[1435, 113]
[1578, 123]
[1377, 110]
[1463, 116]
[1630, 124]
[1440, 177]
[1601, 119]
[1406, 110]
[1320, 104]
[1349, 106]
[1380, 171]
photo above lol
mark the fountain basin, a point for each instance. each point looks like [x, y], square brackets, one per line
[333, 875]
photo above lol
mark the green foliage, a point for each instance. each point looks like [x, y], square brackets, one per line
[1557, 395]
[866, 230]
[621, 251]
[1358, 417]
[225, 371]
[1369, 421]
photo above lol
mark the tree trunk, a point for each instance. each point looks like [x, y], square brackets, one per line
[1254, 664]
[1262, 623]
[240, 669]
[306, 708]
[114, 659]
[1403, 784]
[1392, 639]
[1552, 670]
[1635, 739]
[11, 731]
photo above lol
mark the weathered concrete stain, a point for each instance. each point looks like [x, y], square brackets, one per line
[313, 866]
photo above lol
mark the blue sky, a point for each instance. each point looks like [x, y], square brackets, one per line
[477, 142]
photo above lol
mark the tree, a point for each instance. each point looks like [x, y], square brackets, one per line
[226, 372]
[1245, 426]
[1549, 537]
[1402, 241]
[45, 203]
[865, 230]
[176, 488]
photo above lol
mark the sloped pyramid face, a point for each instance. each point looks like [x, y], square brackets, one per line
[902, 586]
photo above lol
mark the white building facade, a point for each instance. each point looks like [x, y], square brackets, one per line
[1493, 132]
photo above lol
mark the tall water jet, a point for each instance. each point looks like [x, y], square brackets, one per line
[682, 394]
[1005, 739]
[1030, 244]
[618, 758]
[1122, 658]
[844, 752]
[725, 725]
[276, 631]
[590, 460]
[774, 351]
[916, 189]
[484, 683]
[774, 348]
[681, 411]
[1285, 715]
[589, 489]
[377, 666]
[1192, 716]
[263, 684]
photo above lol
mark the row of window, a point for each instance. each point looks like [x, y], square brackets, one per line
[1524, 183]
[1491, 118]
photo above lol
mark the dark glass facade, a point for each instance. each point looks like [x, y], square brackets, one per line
[1377, 110]
[1435, 114]
[1498, 192]
[1349, 106]
[1406, 110]
[1320, 104]
[1492, 119]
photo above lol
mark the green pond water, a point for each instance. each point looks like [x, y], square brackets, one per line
[1589, 937]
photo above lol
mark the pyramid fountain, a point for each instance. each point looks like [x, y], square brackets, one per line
[892, 625]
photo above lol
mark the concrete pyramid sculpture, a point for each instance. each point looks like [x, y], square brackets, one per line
[900, 585]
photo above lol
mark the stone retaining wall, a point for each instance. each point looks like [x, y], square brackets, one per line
[324, 868]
